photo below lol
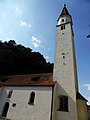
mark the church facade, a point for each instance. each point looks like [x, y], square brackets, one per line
[47, 96]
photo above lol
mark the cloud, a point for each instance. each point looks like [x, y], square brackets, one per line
[18, 11]
[88, 86]
[36, 42]
[49, 49]
[47, 58]
[23, 23]
[89, 100]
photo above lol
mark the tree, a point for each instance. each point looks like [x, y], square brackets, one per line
[17, 59]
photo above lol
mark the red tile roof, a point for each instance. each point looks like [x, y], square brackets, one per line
[45, 79]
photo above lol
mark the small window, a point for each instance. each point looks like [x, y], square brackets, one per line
[63, 57]
[63, 53]
[63, 100]
[63, 63]
[31, 99]
[14, 104]
[35, 78]
[9, 94]
[62, 20]
[62, 27]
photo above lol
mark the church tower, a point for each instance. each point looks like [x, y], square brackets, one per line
[65, 68]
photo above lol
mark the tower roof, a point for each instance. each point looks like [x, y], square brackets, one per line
[64, 12]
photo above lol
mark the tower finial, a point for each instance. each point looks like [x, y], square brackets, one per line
[64, 5]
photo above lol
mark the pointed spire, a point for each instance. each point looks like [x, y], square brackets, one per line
[64, 12]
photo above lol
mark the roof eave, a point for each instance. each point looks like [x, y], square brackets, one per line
[79, 96]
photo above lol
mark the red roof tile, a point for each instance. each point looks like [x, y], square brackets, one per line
[45, 79]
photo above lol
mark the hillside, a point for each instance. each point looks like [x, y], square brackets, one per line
[17, 59]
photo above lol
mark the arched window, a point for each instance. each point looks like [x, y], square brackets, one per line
[5, 109]
[31, 99]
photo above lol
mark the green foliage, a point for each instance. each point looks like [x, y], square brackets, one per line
[17, 59]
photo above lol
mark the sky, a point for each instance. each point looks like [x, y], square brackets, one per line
[32, 23]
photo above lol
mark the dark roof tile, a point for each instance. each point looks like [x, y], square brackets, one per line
[64, 12]
[79, 96]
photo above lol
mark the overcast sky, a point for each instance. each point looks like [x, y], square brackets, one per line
[32, 23]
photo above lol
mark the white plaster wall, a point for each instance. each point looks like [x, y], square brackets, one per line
[1, 92]
[82, 110]
[41, 110]
[65, 74]
[66, 19]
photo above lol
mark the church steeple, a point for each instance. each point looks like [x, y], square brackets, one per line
[65, 15]
[64, 12]
[65, 68]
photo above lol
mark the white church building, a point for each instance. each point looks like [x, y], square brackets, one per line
[47, 96]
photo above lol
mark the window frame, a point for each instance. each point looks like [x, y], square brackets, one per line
[31, 98]
[10, 94]
[62, 27]
[63, 56]
[5, 109]
[63, 103]
[62, 20]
